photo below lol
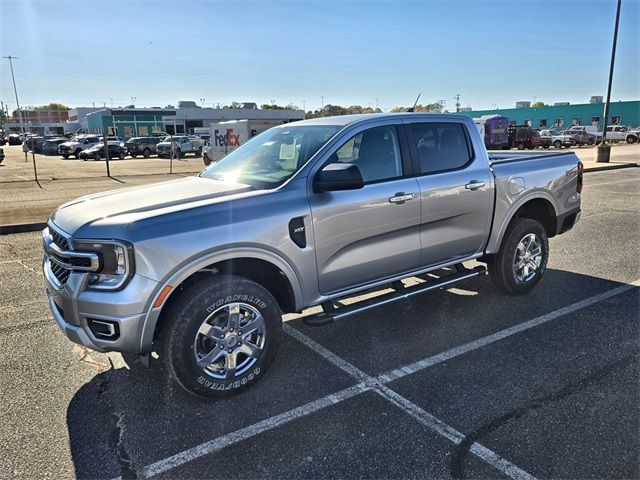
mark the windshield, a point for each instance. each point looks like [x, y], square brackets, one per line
[269, 159]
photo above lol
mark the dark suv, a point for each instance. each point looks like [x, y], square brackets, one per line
[145, 146]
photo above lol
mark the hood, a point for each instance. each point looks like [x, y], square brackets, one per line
[102, 215]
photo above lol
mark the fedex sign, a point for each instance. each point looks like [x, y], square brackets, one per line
[227, 139]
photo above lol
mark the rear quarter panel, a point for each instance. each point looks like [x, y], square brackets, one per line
[550, 177]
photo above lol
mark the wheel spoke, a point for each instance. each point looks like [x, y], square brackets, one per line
[211, 357]
[234, 315]
[230, 367]
[250, 349]
[214, 333]
[254, 324]
[533, 265]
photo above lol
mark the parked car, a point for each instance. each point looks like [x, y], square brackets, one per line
[184, 144]
[3, 140]
[14, 139]
[523, 136]
[202, 268]
[616, 133]
[77, 144]
[145, 146]
[97, 152]
[50, 146]
[546, 138]
[564, 140]
[583, 135]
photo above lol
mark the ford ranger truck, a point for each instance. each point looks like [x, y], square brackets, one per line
[200, 270]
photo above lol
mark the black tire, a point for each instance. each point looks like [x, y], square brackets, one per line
[97, 157]
[198, 152]
[501, 265]
[185, 317]
[521, 146]
[631, 139]
[146, 153]
[77, 153]
[178, 153]
[545, 146]
[121, 155]
[133, 155]
[206, 160]
[65, 156]
[557, 144]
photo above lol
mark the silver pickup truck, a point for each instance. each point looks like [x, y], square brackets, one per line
[201, 269]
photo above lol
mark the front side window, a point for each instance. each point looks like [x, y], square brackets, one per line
[441, 146]
[376, 152]
[269, 159]
[615, 119]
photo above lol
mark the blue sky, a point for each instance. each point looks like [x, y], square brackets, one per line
[350, 52]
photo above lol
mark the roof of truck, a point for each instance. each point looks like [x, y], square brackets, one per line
[344, 120]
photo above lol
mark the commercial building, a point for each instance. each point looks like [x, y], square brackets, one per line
[132, 122]
[51, 122]
[565, 115]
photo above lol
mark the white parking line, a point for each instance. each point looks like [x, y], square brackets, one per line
[368, 383]
[425, 418]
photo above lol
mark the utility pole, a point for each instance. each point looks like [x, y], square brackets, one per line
[15, 91]
[133, 101]
[457, 98]
[604, 151]
[322, 107]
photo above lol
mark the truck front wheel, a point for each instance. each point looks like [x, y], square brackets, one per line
[519, 265]
[222, 335]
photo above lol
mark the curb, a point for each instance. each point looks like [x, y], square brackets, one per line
[610, 167]
[22, 228]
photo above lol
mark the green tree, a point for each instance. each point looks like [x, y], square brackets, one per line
[538, 104]
[53, 106]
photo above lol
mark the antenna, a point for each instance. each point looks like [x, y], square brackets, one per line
[415, 104]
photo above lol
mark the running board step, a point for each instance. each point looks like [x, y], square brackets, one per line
[326, 317]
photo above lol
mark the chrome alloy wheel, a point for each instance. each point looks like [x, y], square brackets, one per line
[528, 257]
[230, 341]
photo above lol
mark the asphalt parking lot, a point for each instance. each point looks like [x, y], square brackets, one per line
[461, 383]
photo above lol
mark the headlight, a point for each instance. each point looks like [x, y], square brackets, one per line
[116, 264]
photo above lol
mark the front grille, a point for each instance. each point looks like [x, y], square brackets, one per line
[61, 273]
[59, 240]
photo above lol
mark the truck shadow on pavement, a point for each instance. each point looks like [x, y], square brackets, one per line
[127, 418]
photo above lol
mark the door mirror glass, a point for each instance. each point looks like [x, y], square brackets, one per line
[338, 176]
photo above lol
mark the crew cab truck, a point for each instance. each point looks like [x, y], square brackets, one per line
[616, 133]
[201, 269]
[183, 144]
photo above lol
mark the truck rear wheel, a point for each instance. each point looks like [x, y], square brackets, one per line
[519, 265]
[222, 336]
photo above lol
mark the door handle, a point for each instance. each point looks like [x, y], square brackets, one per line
[401, 197]
[474, 185]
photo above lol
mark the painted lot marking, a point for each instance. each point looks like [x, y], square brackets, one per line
[412, 409]
[368, 383]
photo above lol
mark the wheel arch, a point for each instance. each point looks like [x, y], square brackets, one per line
[538, 206]
[265, 268]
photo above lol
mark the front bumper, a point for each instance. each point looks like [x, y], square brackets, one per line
[76, 310]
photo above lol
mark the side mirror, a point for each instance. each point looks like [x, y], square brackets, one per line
[338, 176]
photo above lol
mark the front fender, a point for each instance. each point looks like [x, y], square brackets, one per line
[189, 268]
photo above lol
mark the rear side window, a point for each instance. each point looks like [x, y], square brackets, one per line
[441, 146]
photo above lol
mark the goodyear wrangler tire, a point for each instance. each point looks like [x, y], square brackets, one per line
[519, 265]
[222, 336]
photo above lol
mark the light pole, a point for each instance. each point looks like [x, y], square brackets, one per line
[604, 151]
[15, 90]
[133, 101]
